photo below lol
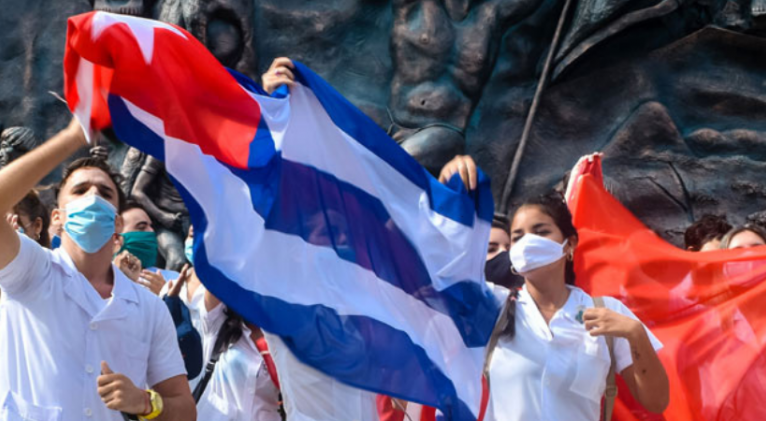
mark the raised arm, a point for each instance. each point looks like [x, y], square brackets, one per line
[21, 175]
[280, 73]
[463, 165]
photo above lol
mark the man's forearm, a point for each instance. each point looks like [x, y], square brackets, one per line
[178, 408]
[23, 174]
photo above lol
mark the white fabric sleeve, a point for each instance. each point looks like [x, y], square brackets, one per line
[165, 359]
[212, 320]
[621, 345]
[28, 271]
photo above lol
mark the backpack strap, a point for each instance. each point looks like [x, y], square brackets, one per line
[263, 348]
[610, 394]
[218, 348]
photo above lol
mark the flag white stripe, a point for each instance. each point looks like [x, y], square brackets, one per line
[84, 80]
[406, 203]
[351, 290]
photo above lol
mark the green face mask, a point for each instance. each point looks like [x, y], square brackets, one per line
[143, 245]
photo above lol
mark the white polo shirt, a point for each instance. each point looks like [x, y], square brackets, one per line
[553, 372]
[310, 395]
[55, 330]
[241, 388]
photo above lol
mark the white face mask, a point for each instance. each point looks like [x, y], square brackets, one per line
[533, 252]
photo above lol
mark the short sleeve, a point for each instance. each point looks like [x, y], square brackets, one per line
[165, 360]
[621, 345]
[28, 271]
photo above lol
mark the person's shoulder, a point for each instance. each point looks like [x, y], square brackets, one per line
[609, 302]
[500, 292]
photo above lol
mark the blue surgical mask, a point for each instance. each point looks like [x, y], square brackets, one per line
[189, 249]
[20, 230]
[90, 222]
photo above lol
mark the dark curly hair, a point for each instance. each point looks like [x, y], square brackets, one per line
[706, 229]
[98, 163]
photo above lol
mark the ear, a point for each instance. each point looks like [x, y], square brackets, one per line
[572, 242]
[57, 217]
[118, 224]
[37, 226]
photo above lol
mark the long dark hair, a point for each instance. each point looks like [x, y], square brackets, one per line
[231, 331]
[553, 205]
[32, 207]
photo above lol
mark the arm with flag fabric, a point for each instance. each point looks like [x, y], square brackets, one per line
[646, 377]
[314, 224]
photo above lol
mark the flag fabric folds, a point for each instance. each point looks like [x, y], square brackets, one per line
[706, 308]
[309, 220]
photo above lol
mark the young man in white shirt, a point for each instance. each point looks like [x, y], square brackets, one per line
[78, 340]
[139, 239]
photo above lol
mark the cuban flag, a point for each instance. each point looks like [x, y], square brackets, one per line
[309, 220]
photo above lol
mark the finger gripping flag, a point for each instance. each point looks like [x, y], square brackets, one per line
[309, 220]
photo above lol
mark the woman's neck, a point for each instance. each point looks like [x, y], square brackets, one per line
[550, 293]
[192, 284]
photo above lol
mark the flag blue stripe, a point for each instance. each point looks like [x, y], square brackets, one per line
[132, 131]
[324, 211]
[361, 128]
[363, 352]
[299, 200]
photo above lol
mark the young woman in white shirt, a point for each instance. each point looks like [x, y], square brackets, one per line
[551, 361]
[240, 387]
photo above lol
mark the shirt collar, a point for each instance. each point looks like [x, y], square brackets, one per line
[574, 304]
[123, 287]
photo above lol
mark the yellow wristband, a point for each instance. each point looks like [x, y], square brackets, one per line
[156, 400]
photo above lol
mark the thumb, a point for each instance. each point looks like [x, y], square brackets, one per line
[105, 368]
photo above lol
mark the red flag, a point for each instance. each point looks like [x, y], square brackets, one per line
[706, 308]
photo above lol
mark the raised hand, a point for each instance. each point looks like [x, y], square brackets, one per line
[174, 289]
[152, 280]
[280, 73]
[129, 264]
[463, 165]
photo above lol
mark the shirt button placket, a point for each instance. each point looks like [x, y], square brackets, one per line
[90, 370]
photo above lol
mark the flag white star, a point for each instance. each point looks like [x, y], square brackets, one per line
[142, 29]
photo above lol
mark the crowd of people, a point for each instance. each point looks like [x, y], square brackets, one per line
[92, 327]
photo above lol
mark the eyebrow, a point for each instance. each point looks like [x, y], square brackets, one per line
[99, 185]
[535, 227]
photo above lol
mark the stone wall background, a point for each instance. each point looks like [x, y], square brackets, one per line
[671, 91]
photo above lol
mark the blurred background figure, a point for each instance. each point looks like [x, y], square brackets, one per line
[705, 234]
[744, 236]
